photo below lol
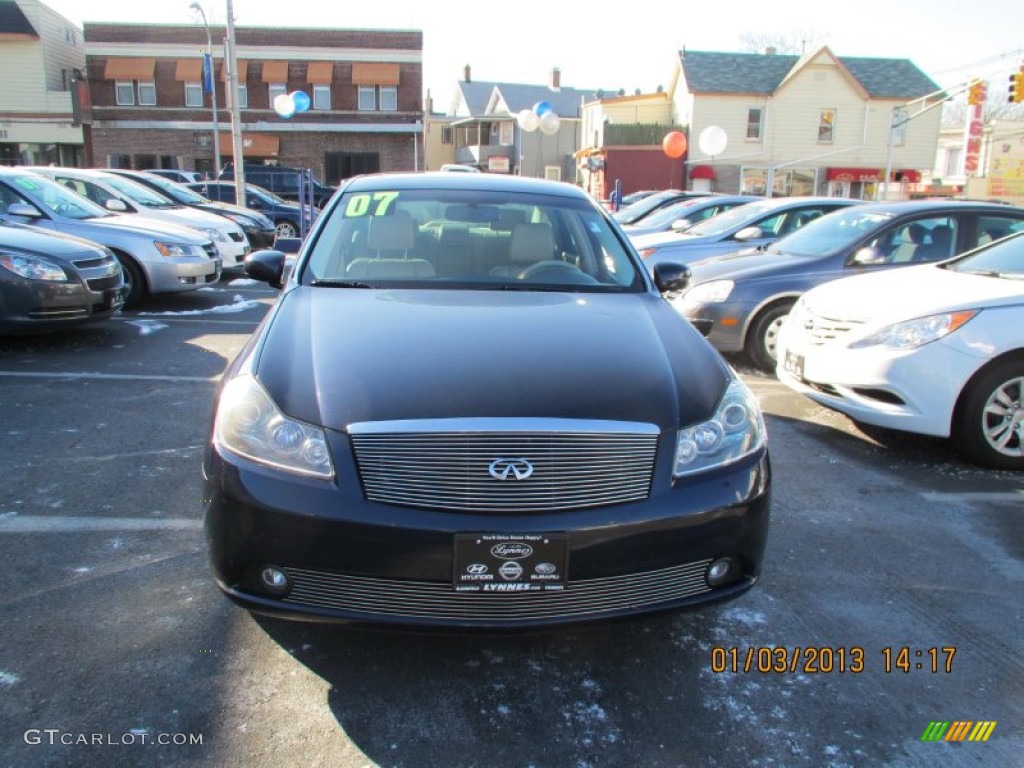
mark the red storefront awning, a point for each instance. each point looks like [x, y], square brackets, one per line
[871, 174]
[702, 172]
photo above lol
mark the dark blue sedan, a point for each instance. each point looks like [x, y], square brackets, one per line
[286, 214]
[473, 407]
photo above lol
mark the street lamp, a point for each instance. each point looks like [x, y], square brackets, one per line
[213, 90]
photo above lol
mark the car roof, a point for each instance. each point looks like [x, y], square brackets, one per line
[484, 182]
[901, 207]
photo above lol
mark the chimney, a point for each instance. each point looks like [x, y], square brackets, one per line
[770, 50]
[466, 74]
[556, 79]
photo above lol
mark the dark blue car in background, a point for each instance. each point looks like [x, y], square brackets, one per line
[286, 214]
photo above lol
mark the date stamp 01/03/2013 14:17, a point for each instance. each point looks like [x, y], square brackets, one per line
[826, 659]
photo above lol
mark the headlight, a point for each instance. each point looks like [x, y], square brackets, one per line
[249, 424]
[736, 430]
[32, 267]
[180, 250]
[711, 292]
[215, 234]
[914, 333]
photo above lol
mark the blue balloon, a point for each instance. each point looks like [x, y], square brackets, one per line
[541, 107]
[301, 100]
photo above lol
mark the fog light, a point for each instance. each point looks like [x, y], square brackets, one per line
[722, 570]
[275, 580]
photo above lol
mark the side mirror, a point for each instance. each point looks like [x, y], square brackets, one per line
[749, 233]
[671, 279]
[868, 255]
[680, 225]
[266, 266]
[25, 210]
[115, 205]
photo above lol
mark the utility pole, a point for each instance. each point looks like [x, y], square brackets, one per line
[231, 62]
[213, 88]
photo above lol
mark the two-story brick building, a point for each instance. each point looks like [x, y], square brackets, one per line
[149, 109]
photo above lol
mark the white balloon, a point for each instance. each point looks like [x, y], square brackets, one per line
[284, 105]
[712, 140]
[549, 123]
[527, 120]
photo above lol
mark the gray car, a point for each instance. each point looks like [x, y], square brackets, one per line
[752, 226]
[682, 215]
[156, 259]
[741, 300]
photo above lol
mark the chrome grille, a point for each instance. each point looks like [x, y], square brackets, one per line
[211, 249]
[236, 236]
[818, 329]
[449, 470]
[102, 283]
[434, 600]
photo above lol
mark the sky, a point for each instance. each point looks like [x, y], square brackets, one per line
[626, 44]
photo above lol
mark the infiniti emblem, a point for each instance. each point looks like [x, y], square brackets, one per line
[503, 469]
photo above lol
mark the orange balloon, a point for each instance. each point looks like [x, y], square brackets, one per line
[674, 144]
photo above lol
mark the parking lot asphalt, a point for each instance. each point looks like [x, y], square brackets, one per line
[117, 649]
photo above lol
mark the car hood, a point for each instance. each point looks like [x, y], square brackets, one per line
[337, 356]
[215, 206]
[909, 292]
[53, 245]
[664, 239]
[745, 265]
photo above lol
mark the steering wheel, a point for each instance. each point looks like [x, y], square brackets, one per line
[556, 271]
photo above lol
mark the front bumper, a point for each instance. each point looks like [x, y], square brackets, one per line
[910, 390]
[174, 275]
[723, 323]
[28, 306]
[351, 560]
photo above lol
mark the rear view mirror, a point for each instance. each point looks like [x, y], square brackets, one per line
[266, 266]
[115, 205]
[671, 279]
[473, 214]
[24, 209]
[679, 225]
[868, 255]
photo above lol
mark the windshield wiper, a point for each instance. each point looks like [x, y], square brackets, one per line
[992, 273]
[339, 283]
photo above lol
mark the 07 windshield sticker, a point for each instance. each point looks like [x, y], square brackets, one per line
[364, 204]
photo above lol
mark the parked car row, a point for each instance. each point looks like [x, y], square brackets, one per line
[164, 236]
[936, 348]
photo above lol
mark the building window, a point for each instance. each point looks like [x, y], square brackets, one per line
[826, 126]
[119, 161]
[446, 134]
[147, 93]
[276, 89]
[124, 93]
[552, 173]
[389, 98]
[367, 97]
[754, 118]
[954, 162]
[243, 96]
[322, 96]
[506, 134]
[193, 94]
[899, 127]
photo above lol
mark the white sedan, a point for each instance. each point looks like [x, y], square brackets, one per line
[936, 349]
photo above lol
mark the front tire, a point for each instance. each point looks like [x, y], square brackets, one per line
[988, 427]
[763, 340]
[134, 281]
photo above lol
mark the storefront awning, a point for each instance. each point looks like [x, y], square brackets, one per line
[253, 145]
[243, 72]
[374, 73]
[275, 71]
[320, 72]
[189, 71]
[129, 69]
[702, 172]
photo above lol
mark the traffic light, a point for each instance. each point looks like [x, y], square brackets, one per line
[1016, 95]
[977, 92]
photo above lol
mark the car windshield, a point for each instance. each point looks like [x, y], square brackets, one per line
[641, 208]
[470, 239]
[175, 191]
[672, 212]
[730, 220]
[1004, 259]
[831, 233]
[138, 193]
[266, 194]
[58, 199]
